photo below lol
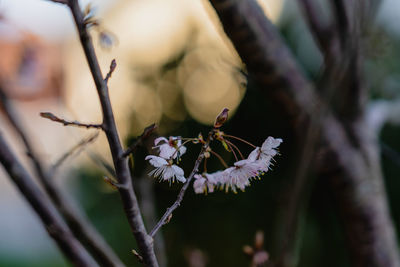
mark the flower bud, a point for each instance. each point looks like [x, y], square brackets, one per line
[221, 118]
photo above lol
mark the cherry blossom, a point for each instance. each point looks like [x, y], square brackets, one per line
[205, 182]
[165, 170]
[170, 148]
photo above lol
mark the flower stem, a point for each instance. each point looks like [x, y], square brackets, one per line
[233, 151]
[220, 158]
[233, 145]
[240, 139]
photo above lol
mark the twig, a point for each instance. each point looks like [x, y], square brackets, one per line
[52, 117]
[128, 196]
[113, 65]
[76, 220]
[166, 217]
[73, 150]
[146, 133]
[100, 161]
[51, 220]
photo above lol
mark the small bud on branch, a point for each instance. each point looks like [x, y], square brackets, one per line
[221, 118]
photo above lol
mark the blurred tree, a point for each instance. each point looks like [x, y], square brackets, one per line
[334, 113]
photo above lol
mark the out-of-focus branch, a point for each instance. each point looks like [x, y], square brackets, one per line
[75, 149]
[341, 17]
[51, 220]
[322, 32]
[370, 233]
[76, 220]
[128, 196]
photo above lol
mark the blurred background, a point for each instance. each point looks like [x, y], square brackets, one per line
[177, 69]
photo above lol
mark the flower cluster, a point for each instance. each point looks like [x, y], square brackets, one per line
[242, 172]
[236, 177]
[169, 150]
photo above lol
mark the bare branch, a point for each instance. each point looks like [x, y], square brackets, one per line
[75, 149]
[123, 175]
[168, 214]
[146, 133]
[77, 221]
[52, 117]
[51, 220]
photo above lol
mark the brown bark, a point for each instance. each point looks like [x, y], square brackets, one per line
[351, 158]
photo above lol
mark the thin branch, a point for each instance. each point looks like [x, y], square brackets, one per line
[113, 65]
[123, 175]
[167, 215]
[146, 133]
[75, 149]
[51, 220]
[52, 117]
[76, 220]
[100, 161]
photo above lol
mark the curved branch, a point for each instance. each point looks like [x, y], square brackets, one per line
[370, 232]
[76, 220]
[51, 220]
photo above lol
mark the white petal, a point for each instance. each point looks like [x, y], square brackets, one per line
[166, 151]
[159, 139]
[168, 173]
[271, 142]
[177, 170]
[182, 150]
[254, 154]
[156, 161]
[181, 178]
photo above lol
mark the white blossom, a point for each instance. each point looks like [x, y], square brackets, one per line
[263, 156]
[170, 148]
[240, 174]
[165, 170]
[269, 146]
[205, 182]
